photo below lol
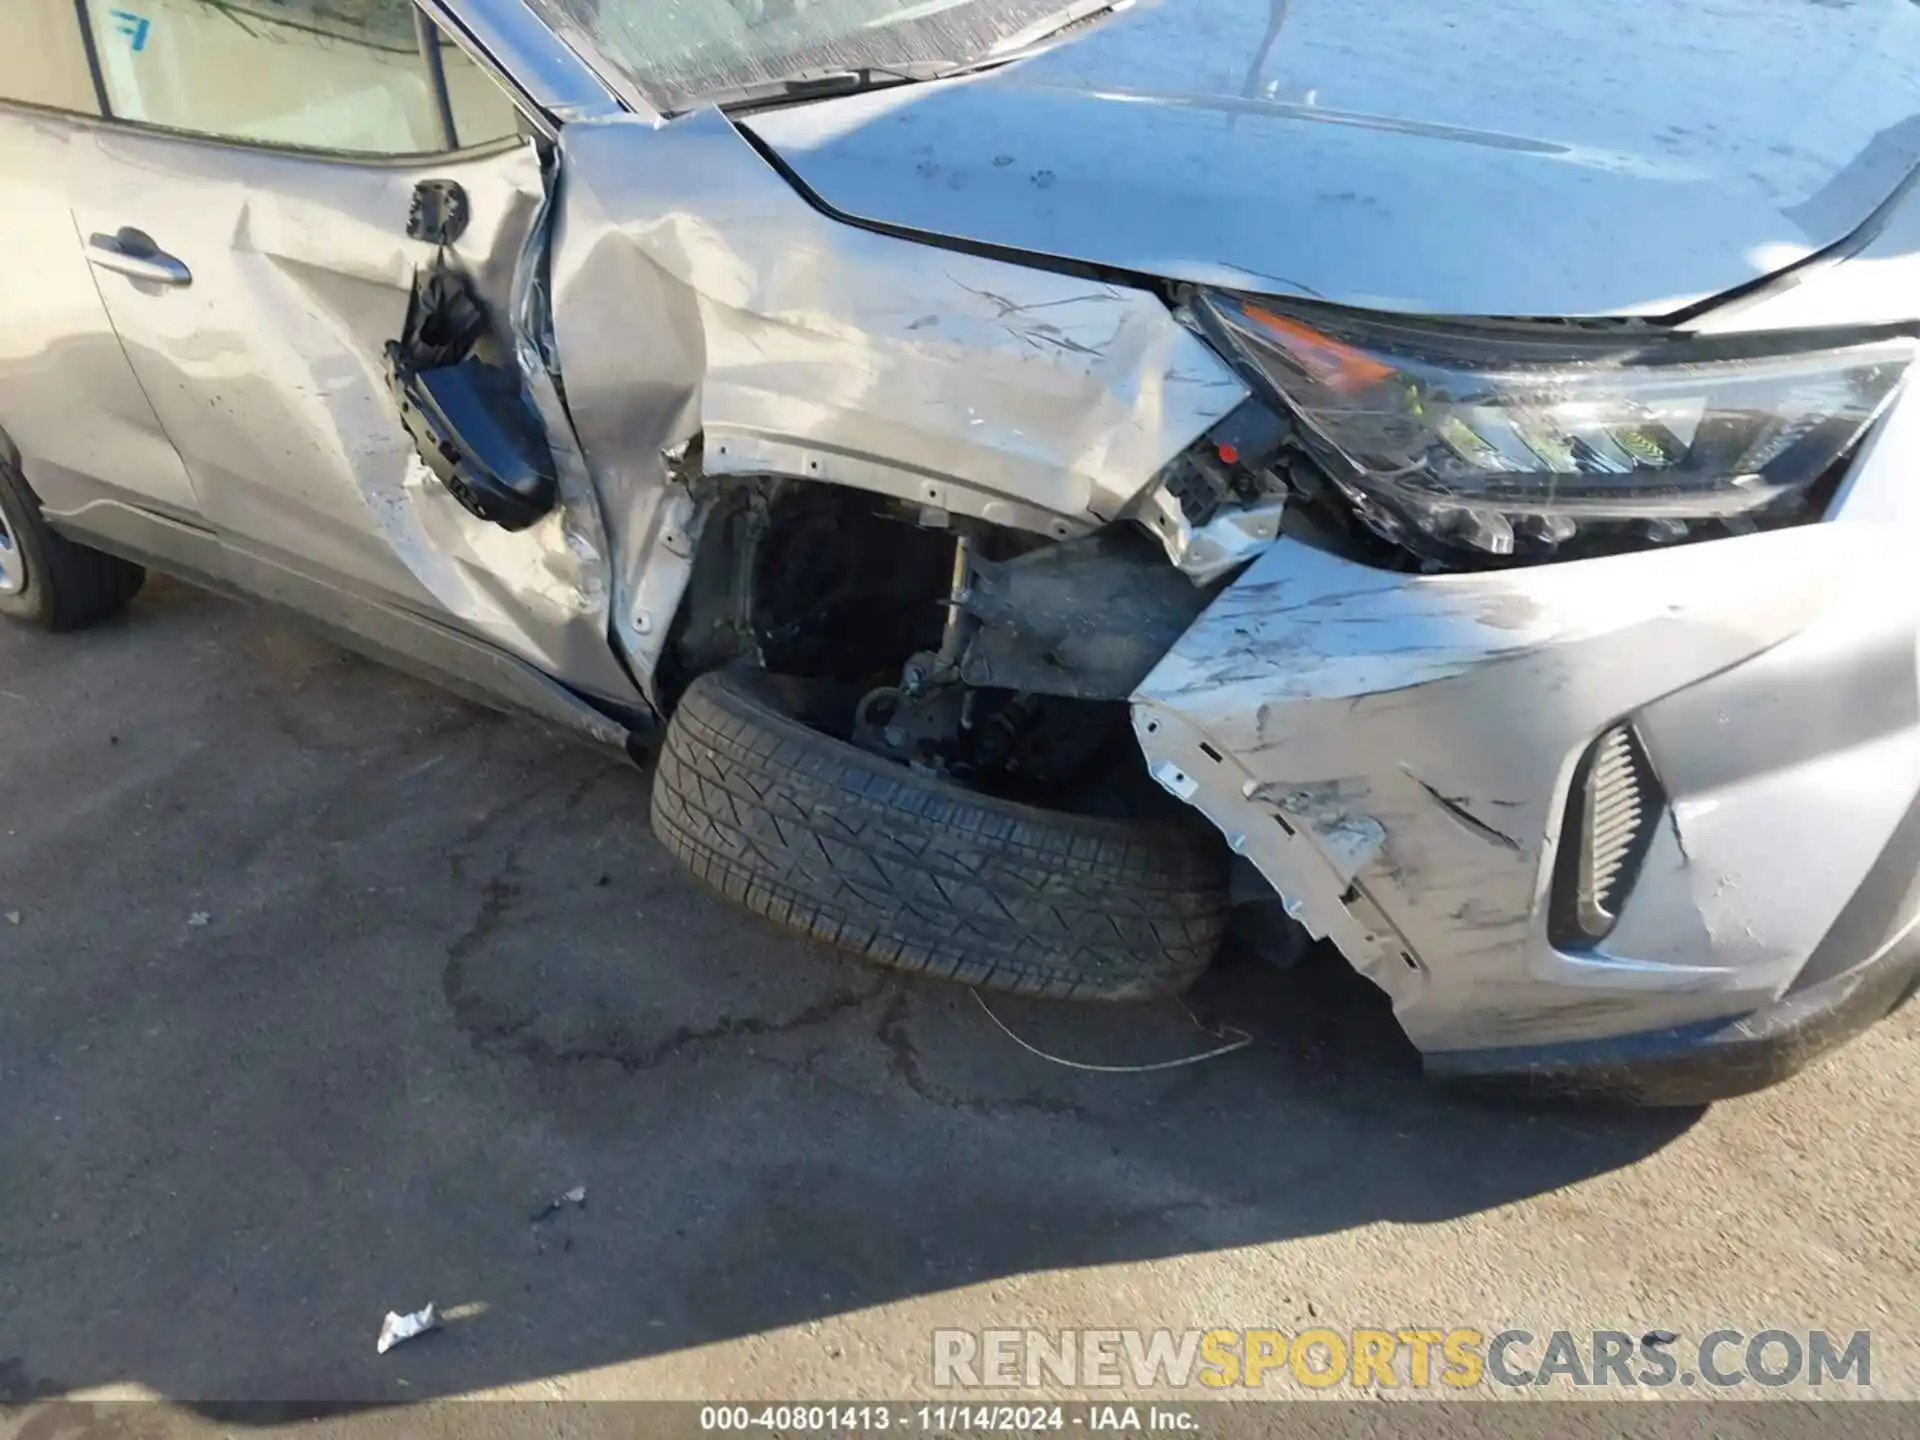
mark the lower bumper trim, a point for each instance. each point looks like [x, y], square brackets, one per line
[1710, 1060]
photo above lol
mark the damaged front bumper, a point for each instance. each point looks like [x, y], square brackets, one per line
[1405, 758]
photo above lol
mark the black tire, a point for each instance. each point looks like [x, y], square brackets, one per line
[919, 874]
[48, 580]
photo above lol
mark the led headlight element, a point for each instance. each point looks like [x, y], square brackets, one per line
[1514, 442]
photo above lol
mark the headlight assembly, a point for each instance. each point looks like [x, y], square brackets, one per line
[1464, 445]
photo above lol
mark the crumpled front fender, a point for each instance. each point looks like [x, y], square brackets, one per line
[696, 293]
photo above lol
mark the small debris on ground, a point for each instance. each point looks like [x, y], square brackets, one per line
[13, 917]
[576, 1196]
[199, 920]
[397, 1327]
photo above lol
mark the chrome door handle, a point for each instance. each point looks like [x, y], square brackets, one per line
[132, 253]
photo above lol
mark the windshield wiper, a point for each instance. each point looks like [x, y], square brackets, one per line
[848, 80]
[1022, 43]
[808, 84]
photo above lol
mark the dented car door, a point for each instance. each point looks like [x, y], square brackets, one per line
[251, 236]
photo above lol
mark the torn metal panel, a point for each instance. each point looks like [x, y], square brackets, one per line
[695, 291]
[1233, 537]
[1220, 503]
[1395, 752]
[629, 341]
[1310, 878]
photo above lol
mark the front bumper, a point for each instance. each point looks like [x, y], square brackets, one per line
[1395, 753]
[1712, 1060]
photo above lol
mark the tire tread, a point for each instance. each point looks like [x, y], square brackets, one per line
[916, 874]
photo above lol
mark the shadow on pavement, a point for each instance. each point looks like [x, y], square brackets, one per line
[324, 985]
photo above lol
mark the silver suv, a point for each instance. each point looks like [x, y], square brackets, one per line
[1057, 482]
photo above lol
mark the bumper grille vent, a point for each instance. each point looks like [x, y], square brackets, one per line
[1616, 803]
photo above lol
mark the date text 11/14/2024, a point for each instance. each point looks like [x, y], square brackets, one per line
[940, 1419]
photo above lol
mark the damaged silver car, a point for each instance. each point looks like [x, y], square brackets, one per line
[1054, 480]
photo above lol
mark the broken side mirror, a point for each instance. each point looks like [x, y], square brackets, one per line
[474, 431]
[469, 418]
[440, 212]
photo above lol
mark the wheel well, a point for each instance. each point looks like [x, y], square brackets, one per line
[996, 656]
[819, 580]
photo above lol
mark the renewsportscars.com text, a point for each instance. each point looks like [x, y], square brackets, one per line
[1414, 1357]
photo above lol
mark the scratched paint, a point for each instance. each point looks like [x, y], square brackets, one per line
[797, 346]
[1438, 719]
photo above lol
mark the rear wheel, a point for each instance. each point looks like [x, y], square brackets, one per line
[48, 580]
[918, 873]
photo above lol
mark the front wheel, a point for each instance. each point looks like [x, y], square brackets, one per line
[46, 579]
[917, 873]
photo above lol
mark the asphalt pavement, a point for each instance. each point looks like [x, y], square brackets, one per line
[318, 986]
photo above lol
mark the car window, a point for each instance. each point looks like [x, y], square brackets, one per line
[676, 51]
[339, 75]
[481, 111]
[43, 60]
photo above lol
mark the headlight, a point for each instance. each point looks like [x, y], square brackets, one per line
[1463, 444]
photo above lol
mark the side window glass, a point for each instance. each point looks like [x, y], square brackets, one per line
[481, 111]
[340, 75]
[42, 58]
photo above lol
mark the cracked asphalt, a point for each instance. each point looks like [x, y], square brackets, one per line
[324, 984]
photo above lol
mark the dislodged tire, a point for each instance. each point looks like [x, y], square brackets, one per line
[46, 579]
[919, 874]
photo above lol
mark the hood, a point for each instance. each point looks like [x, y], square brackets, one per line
[1471, 157]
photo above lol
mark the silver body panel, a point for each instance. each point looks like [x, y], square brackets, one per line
[1418, 734]
[1468, 157]
[695, 293]
[267, 421]
[69, 399]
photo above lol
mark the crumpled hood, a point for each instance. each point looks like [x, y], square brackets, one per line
[1477, 157]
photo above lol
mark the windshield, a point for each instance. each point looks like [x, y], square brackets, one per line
[679, 51]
